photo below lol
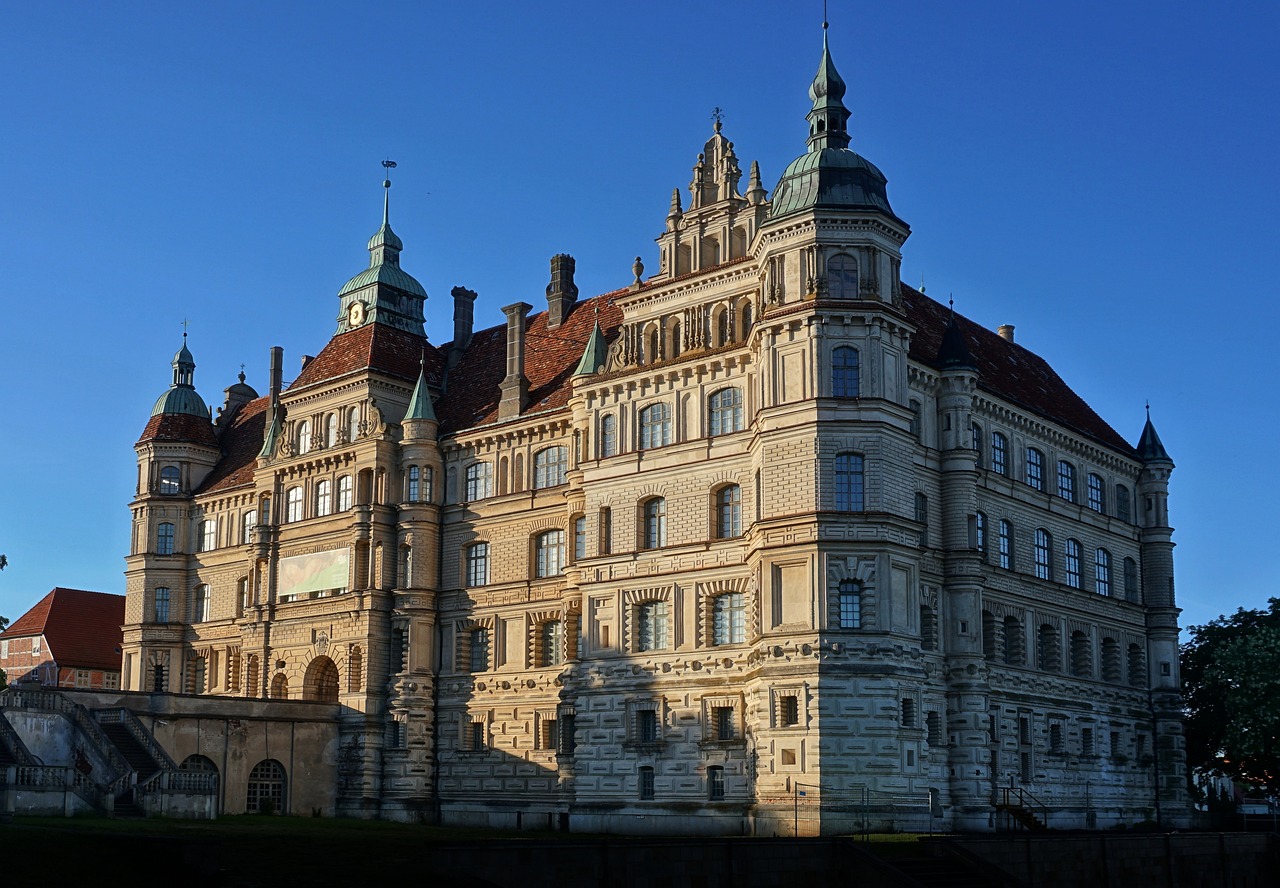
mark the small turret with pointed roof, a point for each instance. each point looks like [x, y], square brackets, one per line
[953, 353]
[829, 118]
[420, 401]
[1150, 448]
[593, 356]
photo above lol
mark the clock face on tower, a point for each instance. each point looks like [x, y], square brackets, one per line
[355, 314]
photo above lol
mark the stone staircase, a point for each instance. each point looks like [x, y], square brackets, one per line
[131, 750]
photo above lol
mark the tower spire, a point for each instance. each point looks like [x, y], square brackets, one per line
[829, 118]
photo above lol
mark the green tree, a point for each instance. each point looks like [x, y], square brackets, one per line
[1231, 679]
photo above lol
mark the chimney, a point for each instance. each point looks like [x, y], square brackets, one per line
[464, 311]
[515, 387]
[277, 368]
[562, 291]
[1005, 332]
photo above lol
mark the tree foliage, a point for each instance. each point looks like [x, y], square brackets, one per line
[1231, 679]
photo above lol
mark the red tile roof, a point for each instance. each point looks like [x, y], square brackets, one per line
[373, 346]
[241, 443]
[179, 427]
[1008, 370]
[81, 629]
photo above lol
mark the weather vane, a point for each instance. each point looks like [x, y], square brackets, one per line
[717, 114]
[388, 165]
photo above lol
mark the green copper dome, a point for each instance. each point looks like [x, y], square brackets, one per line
[182, 396]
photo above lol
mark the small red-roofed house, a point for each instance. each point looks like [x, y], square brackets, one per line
[69, 639]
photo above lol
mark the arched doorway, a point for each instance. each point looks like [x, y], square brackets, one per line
[199, 764]
[280, 686]
[266, 790]
[321, 681]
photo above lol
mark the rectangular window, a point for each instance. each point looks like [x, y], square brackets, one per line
[729, 619]
[415, 484]
[1097, 494]
[566, 734]
[976, 434]
[646, 782]
[579, 538]
[606, 531]
[82, 678]
[849, 489]
[1006, 545]
[478, 564]
[479, 482]
[1086, 741]
[208, 535]
[788, 711]
[111, 681]
[715, 783]
[646, 726]
[479, 650]
[908, 713]
[1066, 481]
[476, 738]
[548, 734]
[999, 453]
[723, 723]
[850, 603]
[651, 626]
[608, 435]
[1071, 563]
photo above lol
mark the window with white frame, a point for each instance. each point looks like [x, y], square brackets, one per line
[203, 601]
[729, 511]
[1035, 469]
[579, 537]
[170, 480]
[345, 488]
[849, 602]
[414, 492]
[715, 783]
[729, 619]
[549, 553]
[208, 534]
[655, 523]
[479, 481]
[849, 489]
[164, 539]
[726, 411]
[293, 504]
[608, 435]
[845, 382]
[1071, 563]
[304, 436]
[1097, 493]
[999, 453]
[549, 467]
[1102, 572]
[250, 522]
[353, 423]
[1043, 552]
[331, 430]
[1066, 481]
[324, 497]
[652, 631]
[551, 643]
[655, 426]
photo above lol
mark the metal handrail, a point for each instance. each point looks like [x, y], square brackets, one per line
[1017, 797]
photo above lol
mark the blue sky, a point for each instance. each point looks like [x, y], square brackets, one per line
[1101, 175]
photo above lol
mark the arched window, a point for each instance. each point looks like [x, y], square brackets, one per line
[1043, 550]
[1102, 572]
[842, 276]
[293, 504]
[844, 372]
[353, 423]
[849, 604]
[414, 491]
[304, 436]
[655, 426]
[345, 486]
[728, 619]
[164, 539]
[549, 467]
[1048, 649]
[207, 535]
[1066, 481]
[744, 319]
[266, 788]
[331, 430]
[975, 433]
[726, 411]
[1097, 492]
[654, 513]
[999, 453]
[1081, 655]
[250, 522]
[1131, 580]
[673, 339]
[652, 352]
[1006, 544]
[549, 553]
[406, 566]
[279, 686]
[355, 669]
[1122, 502]
[1015, 643]
[729, 511]
[321, 681]
[170, 480]
[198, 764]
[477, 559]
[162, 596]
[1071, 563]
[324, 497]
[720, 331]
[608, 435]
[848, 479]
[202, 601]
[551, 643]
[1035, 469]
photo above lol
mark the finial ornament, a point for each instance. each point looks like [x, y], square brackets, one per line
[185, 322]
[717, 115]
[637, 268]
[921, 283]
[951, 301]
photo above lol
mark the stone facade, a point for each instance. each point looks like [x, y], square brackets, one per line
[764, 542]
